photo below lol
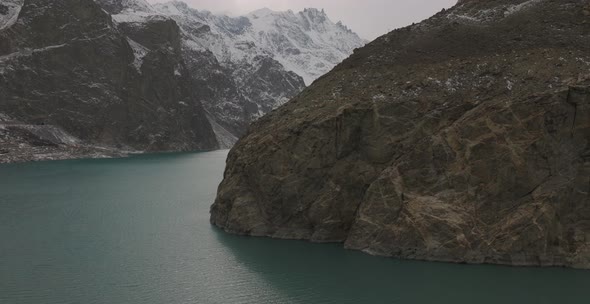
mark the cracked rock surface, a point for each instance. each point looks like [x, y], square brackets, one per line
[461, 139]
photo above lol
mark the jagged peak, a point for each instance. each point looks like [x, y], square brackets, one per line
[343, 26]
[314, 11]
[315, 15]
[265, 11]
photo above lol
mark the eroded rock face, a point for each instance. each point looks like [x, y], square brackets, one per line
[464, 139]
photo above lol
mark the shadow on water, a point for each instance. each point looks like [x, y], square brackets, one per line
[335, 275]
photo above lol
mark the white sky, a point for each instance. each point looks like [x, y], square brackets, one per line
[368, 18]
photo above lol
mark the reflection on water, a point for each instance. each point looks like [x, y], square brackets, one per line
[327, 273]
[136, 231]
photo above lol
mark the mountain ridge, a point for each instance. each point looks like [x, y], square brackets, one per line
[69, 88]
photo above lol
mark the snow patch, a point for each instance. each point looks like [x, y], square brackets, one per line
[136, 11]
[465, 17]
[491, 14]
[453, 84]
[379, 97]
[54, 134]
[519, 7]
[509, 85]
[24, 53]
[139, 52]
[131, 17]
[225, 138]
[11, 16]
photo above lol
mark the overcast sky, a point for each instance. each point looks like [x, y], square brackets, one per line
[368, 18]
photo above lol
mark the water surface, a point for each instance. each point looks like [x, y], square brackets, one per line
[137, 230]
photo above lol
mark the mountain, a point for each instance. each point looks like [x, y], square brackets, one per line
[307, 43]
[71, 83]
[258, 59]
[83, 78]
[464, 138]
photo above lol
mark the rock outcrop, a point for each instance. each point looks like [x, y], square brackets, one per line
[465, 138]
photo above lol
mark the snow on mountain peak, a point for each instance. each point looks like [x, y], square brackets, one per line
[315, 14]
[128, 10]
[307, 43]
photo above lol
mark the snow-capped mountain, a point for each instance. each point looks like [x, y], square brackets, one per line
[246, 65]
[307, 43]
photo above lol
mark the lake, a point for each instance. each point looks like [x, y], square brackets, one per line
[137, 230]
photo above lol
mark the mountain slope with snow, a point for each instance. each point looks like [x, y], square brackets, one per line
[245, 66]
[307, 43]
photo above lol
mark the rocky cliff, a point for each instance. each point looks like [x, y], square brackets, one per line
[464, 138]
[64, 65]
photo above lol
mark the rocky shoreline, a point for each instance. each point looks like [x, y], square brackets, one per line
[24, 143]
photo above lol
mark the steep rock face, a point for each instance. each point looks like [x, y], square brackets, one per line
[63, 64]
[246, 66]
[465, 138]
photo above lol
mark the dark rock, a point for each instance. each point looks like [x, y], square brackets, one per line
[67, 65]
[447, 141]
[3, 9]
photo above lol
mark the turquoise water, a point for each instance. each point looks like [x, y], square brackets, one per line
[137, 230]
